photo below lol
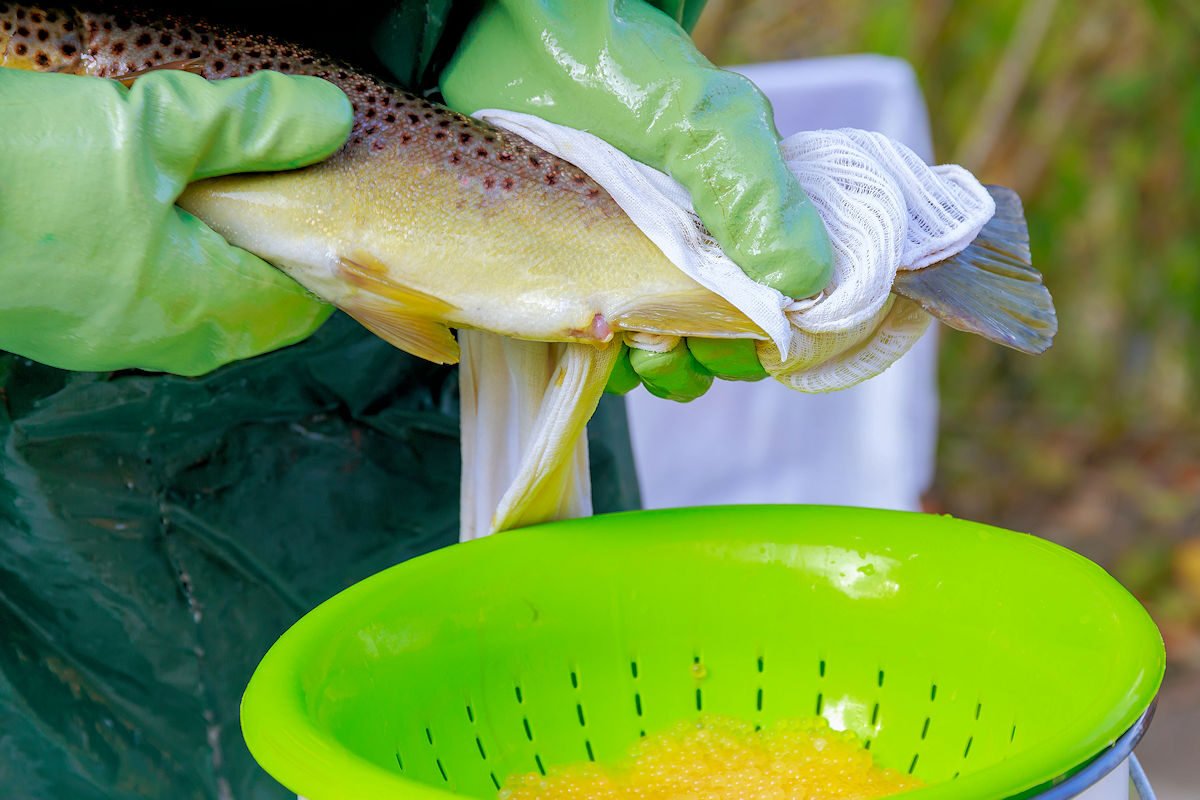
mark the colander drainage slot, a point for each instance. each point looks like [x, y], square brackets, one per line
[925, 728]
[913, 765]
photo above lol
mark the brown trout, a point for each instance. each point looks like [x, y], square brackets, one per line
[428, 220]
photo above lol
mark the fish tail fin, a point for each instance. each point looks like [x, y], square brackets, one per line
[989, 288]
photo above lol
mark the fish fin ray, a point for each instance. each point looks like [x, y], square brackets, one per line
[990, 288]
[705, 315]
[192, 65]
[420, 336]
[367, 272]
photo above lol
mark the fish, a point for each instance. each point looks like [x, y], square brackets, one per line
[427, 220]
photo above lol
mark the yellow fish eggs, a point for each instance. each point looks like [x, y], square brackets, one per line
[720, 758]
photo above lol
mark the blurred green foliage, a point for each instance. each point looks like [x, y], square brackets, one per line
[1090, 109]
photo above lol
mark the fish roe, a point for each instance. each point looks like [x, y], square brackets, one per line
[718, 758]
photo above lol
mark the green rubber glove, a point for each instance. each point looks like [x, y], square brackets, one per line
[99, 270]
[627, 72]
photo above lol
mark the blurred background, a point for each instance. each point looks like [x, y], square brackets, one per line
[1090, 109]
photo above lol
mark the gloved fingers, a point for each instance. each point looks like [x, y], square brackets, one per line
[226, 303]
[728, 359]
[673, 375]
[710, 129]
[623, 379]
[263, 122]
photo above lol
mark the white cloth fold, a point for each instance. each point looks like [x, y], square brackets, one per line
[883, 207]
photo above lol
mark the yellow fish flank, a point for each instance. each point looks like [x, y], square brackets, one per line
[425, 219]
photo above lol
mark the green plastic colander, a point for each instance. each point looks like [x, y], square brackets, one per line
[985, 662]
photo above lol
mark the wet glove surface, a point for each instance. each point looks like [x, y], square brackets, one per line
[628, 73]
[100, 269]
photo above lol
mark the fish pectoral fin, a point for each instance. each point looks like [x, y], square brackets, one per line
[364, 270]
[420, 336]
[192, 65]
[989, 288]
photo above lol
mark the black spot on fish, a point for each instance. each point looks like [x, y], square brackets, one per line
[22, 31]
[194, 54]
[508, 184]
[481, 152]
[455, 158]
[219, 66]
[505, 156]
[21, 49]
[68, 50]
[489, 183]
[440, 135]
[20, 13]
[7, 25]
[551, 179]
[165, 40]
[389, 118]
[118, 48]
[42, 60]
[464, 138]
[444, 123]
[51, 17]
[43, 35]
[405, 138]
[69, 25]
[370, 113]
[143, 40]
[36, 17]
[414, 119]
[178, 51]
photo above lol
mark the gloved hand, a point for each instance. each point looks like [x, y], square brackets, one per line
[627, 72]
[99, 270]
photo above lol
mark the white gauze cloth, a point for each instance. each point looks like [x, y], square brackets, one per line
[883, 207]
